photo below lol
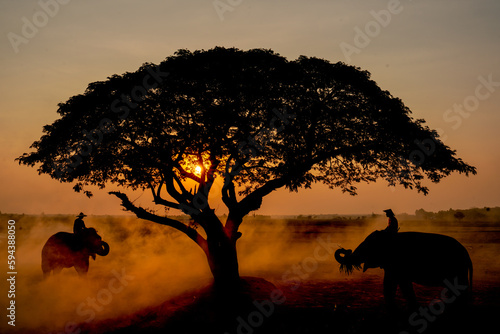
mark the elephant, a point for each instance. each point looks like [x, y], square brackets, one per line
[412, 257]
[66, 250]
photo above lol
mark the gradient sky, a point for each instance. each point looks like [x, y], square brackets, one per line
[429, 53]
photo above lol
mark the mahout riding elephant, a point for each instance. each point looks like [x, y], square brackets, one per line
[413, 257]
[66, 250]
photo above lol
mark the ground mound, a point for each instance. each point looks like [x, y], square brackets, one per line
[205, 309]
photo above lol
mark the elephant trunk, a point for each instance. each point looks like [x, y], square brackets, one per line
[347, 262]
[104, 249]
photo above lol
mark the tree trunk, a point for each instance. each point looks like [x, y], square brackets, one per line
[223, 262]
[221, 251]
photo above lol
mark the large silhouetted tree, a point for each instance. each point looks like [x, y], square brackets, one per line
[252, 120]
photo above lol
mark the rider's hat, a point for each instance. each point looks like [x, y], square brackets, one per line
[389, 212]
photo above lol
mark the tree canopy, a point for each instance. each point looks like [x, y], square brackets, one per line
[252, 118]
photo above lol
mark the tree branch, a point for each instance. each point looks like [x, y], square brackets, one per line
[143, 214]
[160, 200]
[180, 197]
[184, 191]
[229, 195]
[214, 163]
[208, 177]
[202, 169]
[187, 174]
[253, 201]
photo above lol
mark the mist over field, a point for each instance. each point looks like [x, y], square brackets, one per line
[149, 264]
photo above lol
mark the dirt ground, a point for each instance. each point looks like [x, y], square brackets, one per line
[349, 306]
[292, 283]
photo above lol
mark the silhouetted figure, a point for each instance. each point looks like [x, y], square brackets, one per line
[392, 224]
[79, 225]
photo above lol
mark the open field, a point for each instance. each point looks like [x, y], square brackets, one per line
[154, 280]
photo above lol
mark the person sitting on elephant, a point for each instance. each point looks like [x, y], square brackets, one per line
[392, 224]
[79, 227]
[79, 224]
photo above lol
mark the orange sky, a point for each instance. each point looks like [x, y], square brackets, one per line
[435, 55]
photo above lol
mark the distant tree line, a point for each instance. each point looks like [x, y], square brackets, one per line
[473, 214]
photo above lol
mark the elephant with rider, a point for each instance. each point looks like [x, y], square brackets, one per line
[411, 257]
[66, 250]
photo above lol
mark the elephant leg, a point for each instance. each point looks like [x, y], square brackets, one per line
[462, 298]
[82, 267]
[390, 287]
[409, 294]
[82, 272]
[46, 274]
[46, 269]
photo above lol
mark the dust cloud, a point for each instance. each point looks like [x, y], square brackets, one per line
[149, 264]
